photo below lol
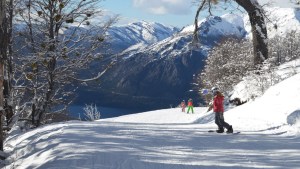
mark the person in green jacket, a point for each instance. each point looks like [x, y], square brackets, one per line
[190, 106]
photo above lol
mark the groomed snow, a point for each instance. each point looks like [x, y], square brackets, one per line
[171, 139]
[167, 116]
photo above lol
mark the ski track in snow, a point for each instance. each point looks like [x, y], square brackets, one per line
[108, 144]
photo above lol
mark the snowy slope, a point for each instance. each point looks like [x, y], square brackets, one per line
[280, 21]
[277, 107]
[248, 86]
[273, 109]
[170, 139]
[168, 116]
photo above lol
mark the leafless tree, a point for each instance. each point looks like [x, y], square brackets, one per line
[91, 112]
[60, 39]
[226, 64]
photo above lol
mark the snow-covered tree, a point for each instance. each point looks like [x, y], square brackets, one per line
[230, 62]
[91, 112]
[283, 49]
[226, 64]
[259, 80]
[61, 37]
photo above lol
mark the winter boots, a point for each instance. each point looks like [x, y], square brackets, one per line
[220, 130]
[229, 130]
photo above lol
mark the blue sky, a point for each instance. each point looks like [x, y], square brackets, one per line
[170, 12]
[177, 13]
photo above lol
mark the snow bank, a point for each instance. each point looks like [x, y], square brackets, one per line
[277, 107]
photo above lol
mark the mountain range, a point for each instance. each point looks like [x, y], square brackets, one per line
[155, 65]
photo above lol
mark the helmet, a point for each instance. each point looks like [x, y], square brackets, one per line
[214, 90]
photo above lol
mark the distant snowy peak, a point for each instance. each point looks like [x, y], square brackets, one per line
[210, 31]
[225, 23]
[151, 32]
[280, 21]
[140, 32]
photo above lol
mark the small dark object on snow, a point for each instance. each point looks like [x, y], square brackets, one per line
[215, 131]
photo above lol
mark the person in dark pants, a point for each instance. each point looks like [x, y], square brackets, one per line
[218, 109]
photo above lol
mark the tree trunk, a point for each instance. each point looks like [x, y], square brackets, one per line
[2, 58]
[195, 37]
[259, 29]
[1, 106]
[8, 100]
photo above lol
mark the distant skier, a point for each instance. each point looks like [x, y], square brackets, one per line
[190, 106]
[183, 106]
[218, 108]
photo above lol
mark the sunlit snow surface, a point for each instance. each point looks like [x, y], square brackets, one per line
[171, 139]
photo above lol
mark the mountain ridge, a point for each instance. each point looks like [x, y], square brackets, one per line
[163, 73]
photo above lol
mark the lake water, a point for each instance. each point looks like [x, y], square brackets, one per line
[77, 111]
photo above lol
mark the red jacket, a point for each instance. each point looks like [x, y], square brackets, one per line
[218, 103]
[190, 103]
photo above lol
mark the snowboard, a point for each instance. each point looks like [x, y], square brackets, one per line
[214, 131]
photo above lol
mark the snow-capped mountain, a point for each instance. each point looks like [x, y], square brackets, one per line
[227, 25]
[211, 30]
[163, 73]
[138, 33]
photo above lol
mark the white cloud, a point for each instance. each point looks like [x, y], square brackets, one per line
[160, 7]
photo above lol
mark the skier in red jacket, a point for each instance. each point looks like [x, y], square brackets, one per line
[218, 109]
